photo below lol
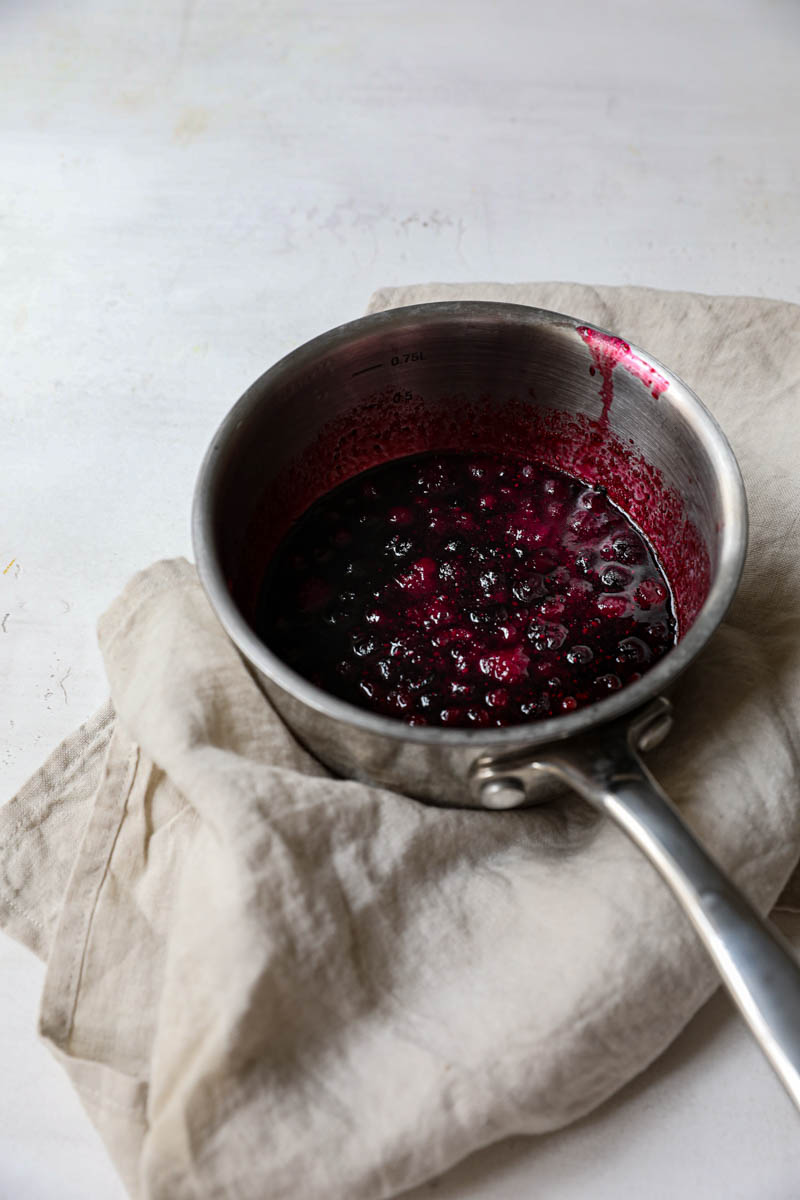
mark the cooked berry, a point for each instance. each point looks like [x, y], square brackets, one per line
[613, 605]
[468, 591]
[494, 585]
[508, 666]
[420, 579]
[615, 579]
[633, 650]
[608, 683]
[363, 644]
[650, 593]
[627, 550]
[553, 607]
[478, 716]
[399, 546]
[544, 635]
[579, 655]
[528, 587]
[660, 631]
[558, 579]
[399, 699]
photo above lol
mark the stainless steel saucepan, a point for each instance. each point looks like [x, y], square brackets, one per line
[456, 375]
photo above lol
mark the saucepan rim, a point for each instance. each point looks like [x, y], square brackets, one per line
[629, 698]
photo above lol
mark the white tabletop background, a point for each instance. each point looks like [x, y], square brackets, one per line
[191, 188]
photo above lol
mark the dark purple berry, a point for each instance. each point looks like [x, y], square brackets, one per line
[615, 579]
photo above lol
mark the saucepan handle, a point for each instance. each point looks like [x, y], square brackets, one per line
[756, 963]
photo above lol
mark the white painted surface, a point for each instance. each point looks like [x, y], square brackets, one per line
[188, 190]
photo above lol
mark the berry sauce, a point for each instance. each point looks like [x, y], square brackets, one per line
[466, 590]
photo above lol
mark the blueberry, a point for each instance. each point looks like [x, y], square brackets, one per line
[658, 631]
[363, 645]
[399, 546]
[528, 588]
[477, 716]
[613, 605]
[487, 619]
[494, 585]
[511, 630]
[579, 655]
[587, 526]
[420, 578]
[544, 635]
[608, 683]
[536, 706]
[465, 521]
[615, 579]
[628, 549]
[650, 592]
[451, 573]
[399, 700]
[633, 650]
[558, 579]
[553, 607]
[434, 477]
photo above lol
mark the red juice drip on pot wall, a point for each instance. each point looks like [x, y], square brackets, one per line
[609, 352]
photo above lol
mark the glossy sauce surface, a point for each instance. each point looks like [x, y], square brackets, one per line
[466, 590]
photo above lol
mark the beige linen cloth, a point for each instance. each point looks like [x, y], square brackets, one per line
[265, 982]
